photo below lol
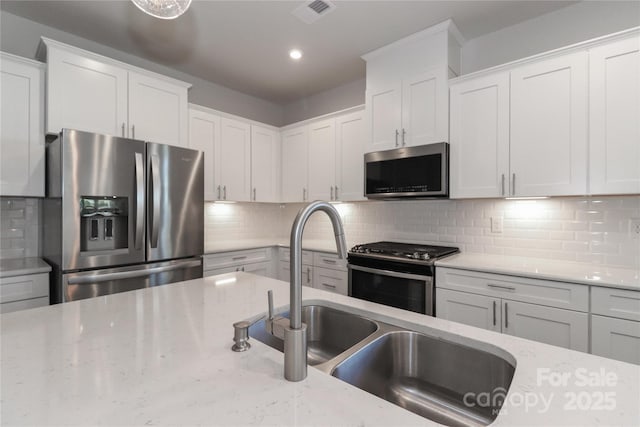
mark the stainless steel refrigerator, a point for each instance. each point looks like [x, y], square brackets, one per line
[120, 214]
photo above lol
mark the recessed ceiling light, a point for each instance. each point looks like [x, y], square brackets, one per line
[295, 54]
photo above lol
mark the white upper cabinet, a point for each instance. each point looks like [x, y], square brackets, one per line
[350, 157]
[407, 100]
[479, 155]
[614, 124]
[295, 143]
[204, 135]
[157, 110]
[22, 127]
[549, 127]
[233, 160]
[322, 160]
[265, 144]
[94, 93]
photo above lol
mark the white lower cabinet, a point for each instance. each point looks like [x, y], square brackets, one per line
[473, 310]
[320, 270]
[22, 292]
[256, 261]
[336, 281]
[259, 268]
[284, 273]
[615, 338]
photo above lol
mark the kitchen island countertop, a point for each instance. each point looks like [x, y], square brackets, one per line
[162, 356]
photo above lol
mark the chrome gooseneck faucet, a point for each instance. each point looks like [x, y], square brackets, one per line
[295, 333]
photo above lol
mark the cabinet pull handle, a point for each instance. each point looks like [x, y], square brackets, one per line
[508, 288]
[404, 133]
[397, 133]
[304, 194]
[238, 258]
[503, 184]
[254, 194]
[329, 286]
[513, 185]
[506, 315]
[494, 313]
[328, 261]
[224, 191]
[123, 129]
[133, 131]
[242, 268]
[336, 193]
[308, 275]
[332, 193]
[218, 192]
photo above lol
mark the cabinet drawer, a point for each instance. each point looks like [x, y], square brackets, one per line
[307, 256]
[285, 275]
[327, 260]
[331, 280]
[259, 268]
[544, 292]
[227, 259]
[615, 338]
[613, 302]
[9, 307]
[24, 287]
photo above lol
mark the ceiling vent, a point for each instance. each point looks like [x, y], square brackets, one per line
[311, 11]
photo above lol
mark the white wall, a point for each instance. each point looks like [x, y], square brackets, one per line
[569, 25]
[21, 36]
[336, 99]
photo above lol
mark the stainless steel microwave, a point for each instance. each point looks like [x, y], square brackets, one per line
[408, 172]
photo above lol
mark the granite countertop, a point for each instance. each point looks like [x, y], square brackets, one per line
[22, 267]
[574, 272]
[244, 244]
[161, 356]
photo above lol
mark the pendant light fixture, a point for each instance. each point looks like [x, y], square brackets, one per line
[163, 9]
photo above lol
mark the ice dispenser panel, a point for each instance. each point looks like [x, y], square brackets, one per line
[104, 223]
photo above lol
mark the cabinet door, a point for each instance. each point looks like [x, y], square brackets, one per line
[157, 110]
[549, 127]
[384, 119]
[260, 268]
[615, 338]
[294, 164]
[284, 273]
[555, 326]
[264, 164]
[480, 137]
[22, 129]
[322, 157]
[335, 281]
[85, 94]
[425, 108]
[614, 121]
[471, 309]
[233, 167]
[204, 134]
[350, 157]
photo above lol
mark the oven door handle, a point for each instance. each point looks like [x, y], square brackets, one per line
[390, 273]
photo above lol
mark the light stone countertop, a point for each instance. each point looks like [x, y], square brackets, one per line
[244, 244]
[23, 267]
[161, 356]
[564, 271]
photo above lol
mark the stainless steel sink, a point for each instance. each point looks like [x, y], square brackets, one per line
[430, 377]
[330, 332]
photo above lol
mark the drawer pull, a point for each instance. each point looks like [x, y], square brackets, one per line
[508, 288]
[329, 261]
[329, 286]
[238, 258]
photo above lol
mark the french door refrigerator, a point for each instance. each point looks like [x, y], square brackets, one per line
[120, 214]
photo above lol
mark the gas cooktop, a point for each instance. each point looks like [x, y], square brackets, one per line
[410, 252]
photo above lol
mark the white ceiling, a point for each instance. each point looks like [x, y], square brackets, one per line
[244, 44]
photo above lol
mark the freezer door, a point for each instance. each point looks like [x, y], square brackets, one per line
[175, 202]
[89, 284]
[102, 192]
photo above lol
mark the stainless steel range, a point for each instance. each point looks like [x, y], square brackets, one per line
[397, 274]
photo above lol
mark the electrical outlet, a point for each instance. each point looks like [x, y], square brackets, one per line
[634, 226]
[496, 224]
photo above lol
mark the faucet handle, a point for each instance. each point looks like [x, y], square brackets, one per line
[270, 302]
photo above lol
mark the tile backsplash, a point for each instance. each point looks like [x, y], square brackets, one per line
[236, 221]
[18, 227]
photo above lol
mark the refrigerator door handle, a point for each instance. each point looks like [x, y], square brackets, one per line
[104, 277]
[155, 191]
[139, 201]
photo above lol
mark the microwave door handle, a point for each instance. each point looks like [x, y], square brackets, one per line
[137, 242]
[155, 191]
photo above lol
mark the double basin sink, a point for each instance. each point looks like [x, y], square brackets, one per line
[444, 381]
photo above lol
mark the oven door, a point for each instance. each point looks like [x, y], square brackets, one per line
[411, 292]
